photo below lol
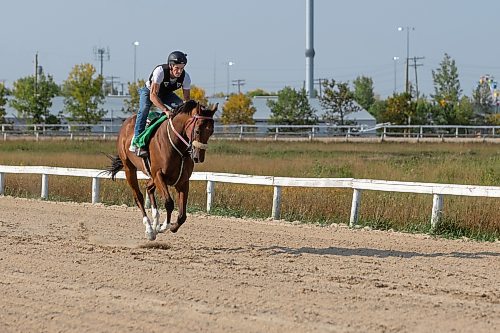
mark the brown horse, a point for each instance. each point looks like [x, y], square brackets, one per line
[176, 145]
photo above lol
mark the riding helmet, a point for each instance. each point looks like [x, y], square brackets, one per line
[177, 57]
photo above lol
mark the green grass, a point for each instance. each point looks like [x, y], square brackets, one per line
[474, 164]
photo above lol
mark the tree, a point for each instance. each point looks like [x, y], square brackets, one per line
[291, 108]
[83, 94]
[238, 110]
[446, 83]
[377, 109]
[199, 95]
[493, 119]
[132, 104]
[363, 91]
[399, 109]
[464, 112]
[258, 92]
[482, 101]
[447, 91]
[3, 102]
[338, 101]
[32, 100]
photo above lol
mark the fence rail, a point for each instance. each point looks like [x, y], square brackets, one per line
[311, 132]
[358, 185]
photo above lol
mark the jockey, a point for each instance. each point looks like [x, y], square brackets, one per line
[159, 90]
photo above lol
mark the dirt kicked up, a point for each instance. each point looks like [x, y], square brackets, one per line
[68, 267]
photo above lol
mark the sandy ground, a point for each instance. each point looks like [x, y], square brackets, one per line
[68, 267]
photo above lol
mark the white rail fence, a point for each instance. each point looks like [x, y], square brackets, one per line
[264, 130]
[358, 186]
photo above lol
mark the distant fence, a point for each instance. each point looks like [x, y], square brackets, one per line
[276, 132]
[358, 185]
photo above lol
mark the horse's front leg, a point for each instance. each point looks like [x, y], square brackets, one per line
[182, 191]
[169, 203]
[155, 213]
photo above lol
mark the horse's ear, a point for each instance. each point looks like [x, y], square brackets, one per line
[214, 107]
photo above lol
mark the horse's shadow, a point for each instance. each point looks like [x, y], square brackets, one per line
[374, 253]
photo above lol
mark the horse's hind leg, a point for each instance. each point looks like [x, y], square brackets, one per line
[139, 200]
[155, 213]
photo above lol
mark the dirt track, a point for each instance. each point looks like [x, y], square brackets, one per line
[81, 268]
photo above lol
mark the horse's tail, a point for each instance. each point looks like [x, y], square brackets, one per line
[116, 165]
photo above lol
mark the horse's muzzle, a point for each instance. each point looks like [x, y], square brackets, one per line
[198, 155]
[198, 151]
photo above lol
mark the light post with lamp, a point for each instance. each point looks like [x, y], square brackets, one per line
[228, 64]
[136, 43]
[407, 54]
[395, 76]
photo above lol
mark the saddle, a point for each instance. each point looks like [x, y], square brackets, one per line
[154, 120]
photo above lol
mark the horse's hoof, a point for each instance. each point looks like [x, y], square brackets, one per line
[174, 227]
[161, 229]
[150, 235]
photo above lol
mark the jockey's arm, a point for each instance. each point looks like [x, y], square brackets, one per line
[153, 96]
[187, 94]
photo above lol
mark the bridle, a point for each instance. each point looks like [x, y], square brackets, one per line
[189, 144]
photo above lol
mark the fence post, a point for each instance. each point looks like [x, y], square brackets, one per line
[276, 212]
[2, 183]
[356, 201]
[276, 134]
[95, 190]
[241, 133]
[210, 194]
[45, 186]
[437, 209]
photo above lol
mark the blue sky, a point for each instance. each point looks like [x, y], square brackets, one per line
[265, 39]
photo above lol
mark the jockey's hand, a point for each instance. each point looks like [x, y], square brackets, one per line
[167, 112]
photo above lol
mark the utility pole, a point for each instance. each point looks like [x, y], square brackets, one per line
[320, 84]
[415, 65]
[36, 74]
[239, 83]
[407, 55]
[112, 82]
[101, 54]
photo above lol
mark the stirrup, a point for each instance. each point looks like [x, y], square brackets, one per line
[142, 152]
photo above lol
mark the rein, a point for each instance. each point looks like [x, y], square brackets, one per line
[190, 144]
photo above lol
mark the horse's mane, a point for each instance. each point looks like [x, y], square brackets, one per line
[186, 107]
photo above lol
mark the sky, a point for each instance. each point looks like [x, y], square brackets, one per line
[265, 39]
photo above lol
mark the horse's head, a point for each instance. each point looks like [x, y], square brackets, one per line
[199, 130]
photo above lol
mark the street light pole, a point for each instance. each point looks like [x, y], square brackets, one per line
[407, 55]
[136, 43]
[395, 68]
[229, 64]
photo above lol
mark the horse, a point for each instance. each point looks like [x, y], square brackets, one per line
[174, 148]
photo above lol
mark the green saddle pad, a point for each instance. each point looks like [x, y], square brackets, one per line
[155, 119]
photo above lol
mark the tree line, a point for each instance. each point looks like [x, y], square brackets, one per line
[83, 96]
